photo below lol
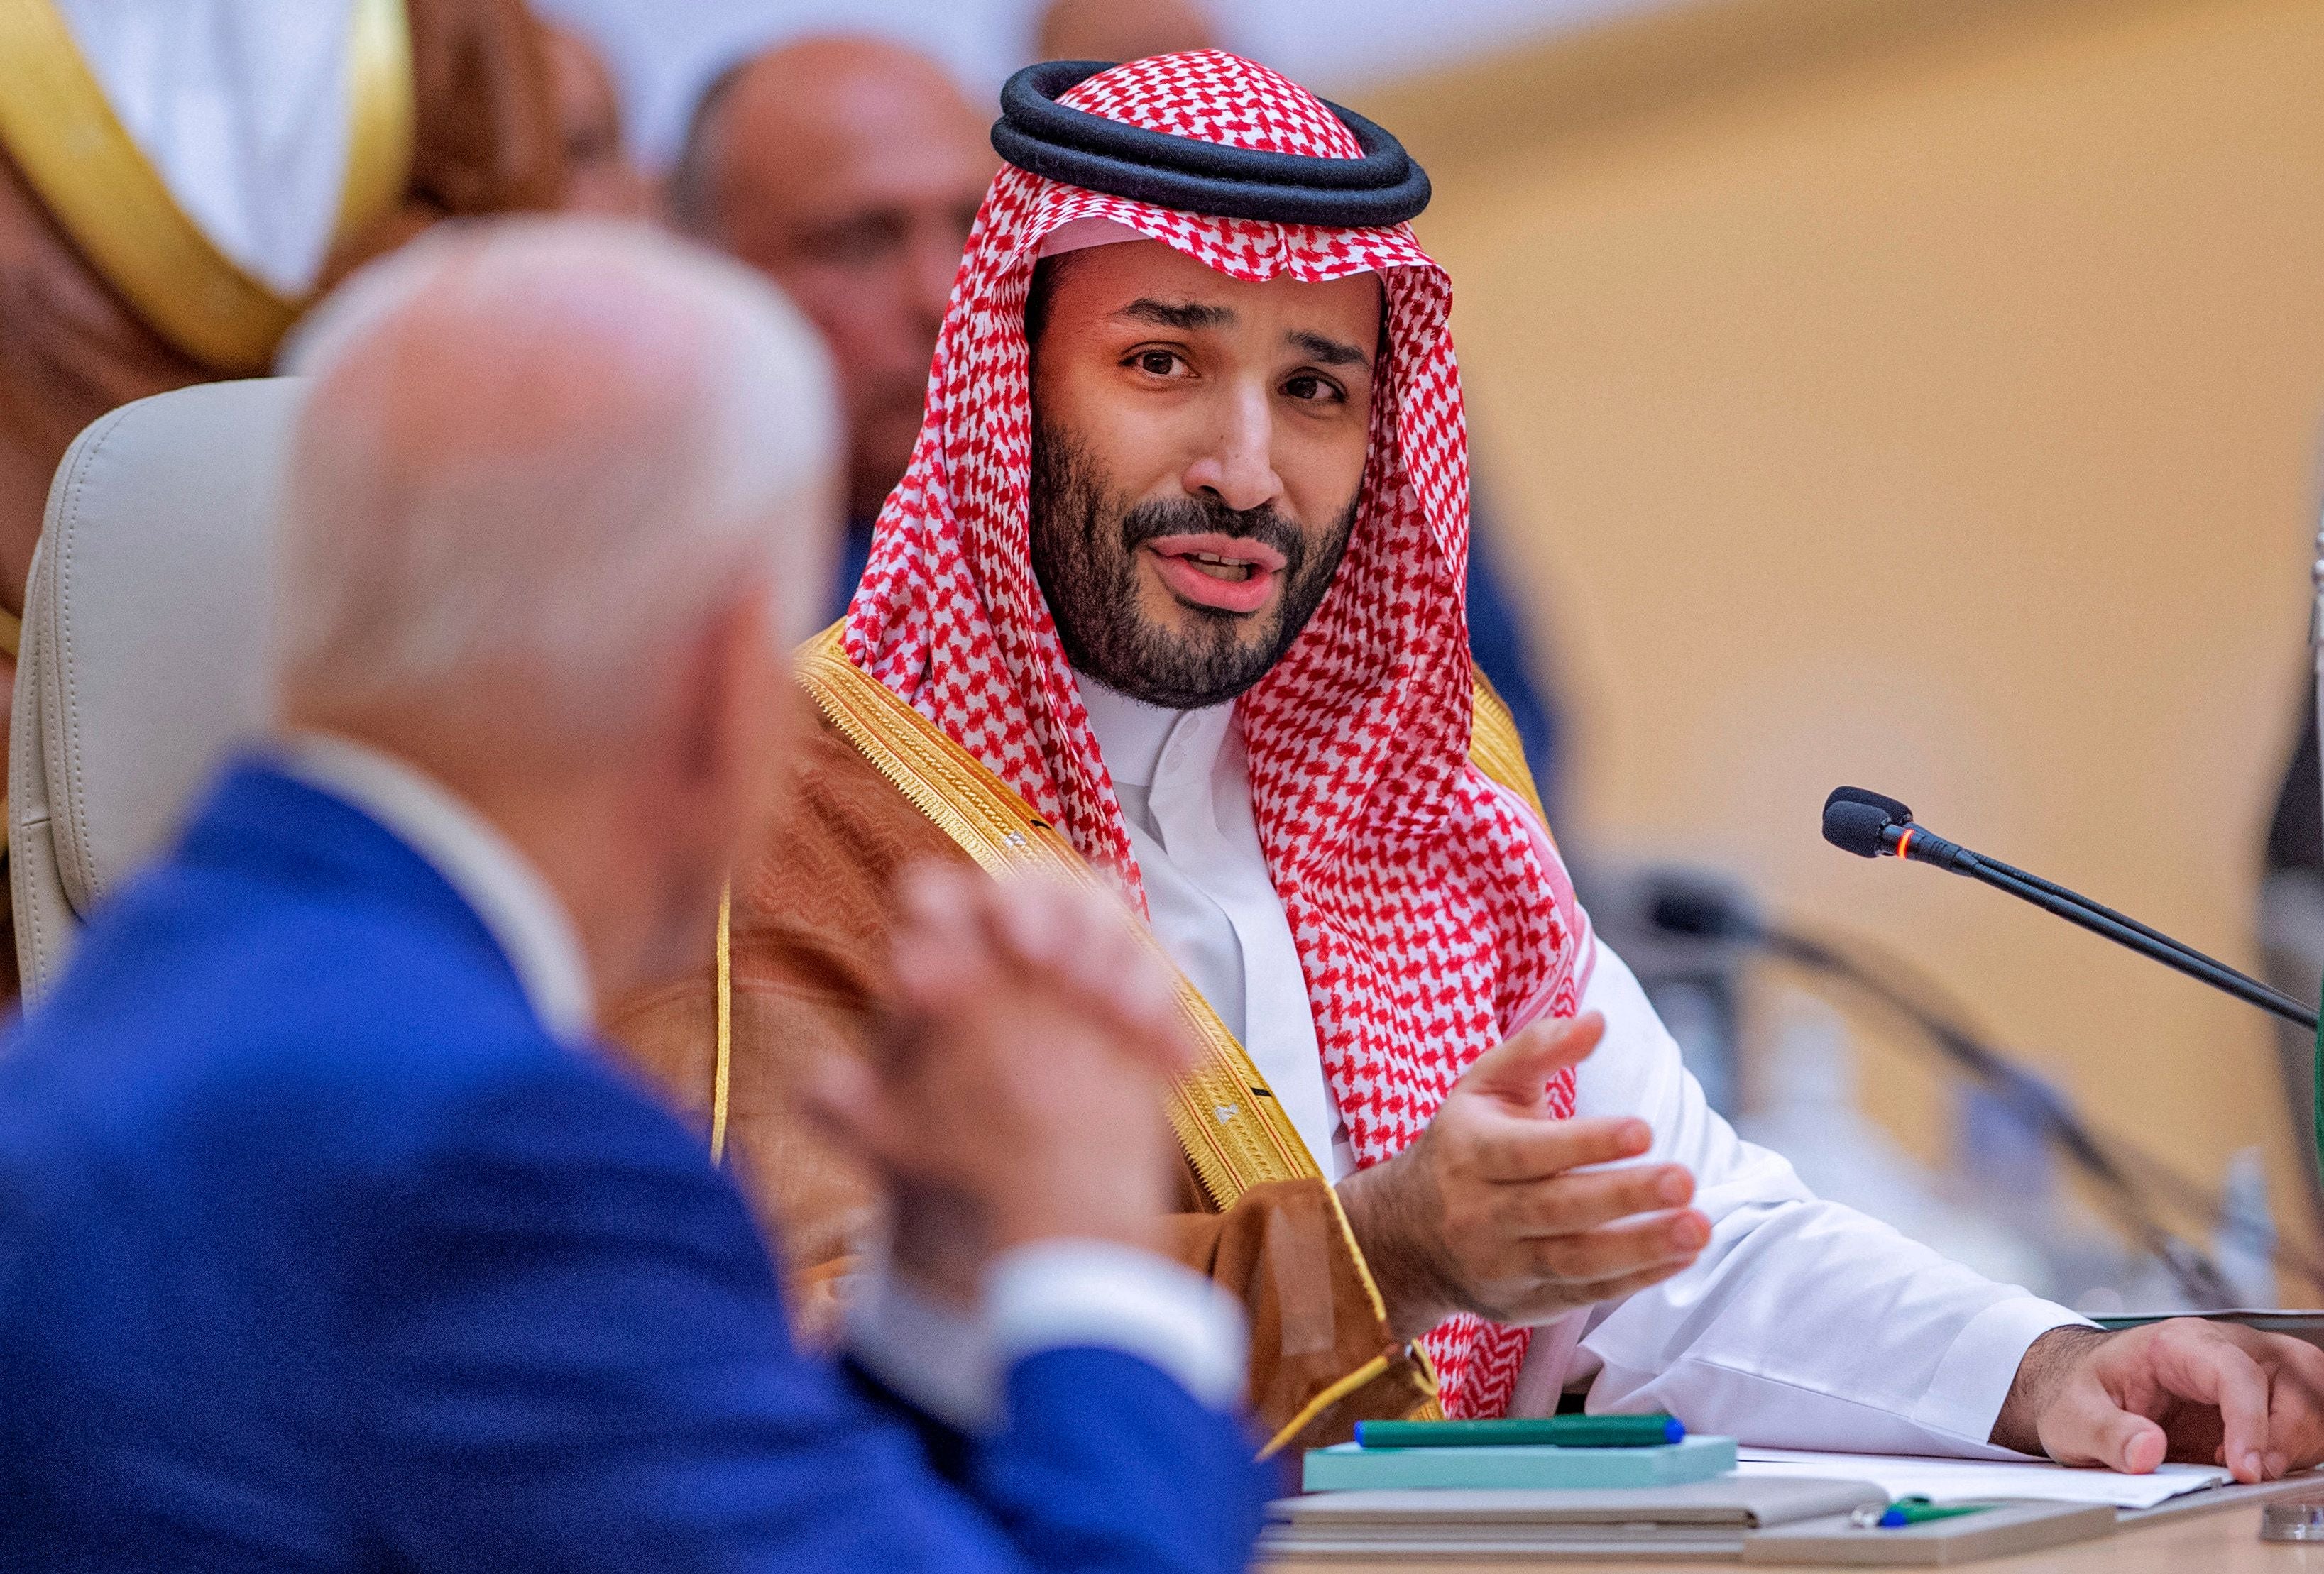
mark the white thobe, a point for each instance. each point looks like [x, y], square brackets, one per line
[1802, 1324]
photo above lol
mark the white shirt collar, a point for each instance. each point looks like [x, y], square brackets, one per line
[1183, 778]
[514, 903]
[1144, 744]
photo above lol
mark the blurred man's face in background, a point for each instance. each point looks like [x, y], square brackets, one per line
[1123, 29]
[849, 172]
[599, 176]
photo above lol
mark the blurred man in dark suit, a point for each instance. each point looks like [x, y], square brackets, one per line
[600, 176]
[847, 171]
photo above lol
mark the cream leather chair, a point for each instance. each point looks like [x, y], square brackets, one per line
[144, 630]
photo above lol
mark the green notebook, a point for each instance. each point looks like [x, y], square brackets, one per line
[1348, 1467]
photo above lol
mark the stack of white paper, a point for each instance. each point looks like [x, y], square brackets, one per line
[1970, 1480]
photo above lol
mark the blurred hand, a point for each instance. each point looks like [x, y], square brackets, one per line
[1486, 1213]
[2208, 1393]
[1016, 1093]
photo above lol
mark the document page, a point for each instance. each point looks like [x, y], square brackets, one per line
[1962, 1480]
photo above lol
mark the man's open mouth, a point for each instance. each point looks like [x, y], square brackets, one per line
[1227, 573]
[1225, 569]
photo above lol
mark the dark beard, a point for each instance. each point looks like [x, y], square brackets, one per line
[1085, 547]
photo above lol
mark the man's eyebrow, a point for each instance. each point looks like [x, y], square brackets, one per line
[1330, 352]
[1187, 316]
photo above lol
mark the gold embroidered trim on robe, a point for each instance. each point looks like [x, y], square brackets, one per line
[1495, 749]
[722, 1076]
[383, 117]
[102, 190]
[1325, 1399]
[1233, 1131]
[1228, 1121]
[1226, 1117]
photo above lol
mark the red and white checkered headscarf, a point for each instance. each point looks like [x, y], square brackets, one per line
[1430, 909]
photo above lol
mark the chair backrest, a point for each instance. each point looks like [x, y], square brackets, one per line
[144, 637]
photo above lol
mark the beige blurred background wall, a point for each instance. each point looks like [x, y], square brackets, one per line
[1925, 394]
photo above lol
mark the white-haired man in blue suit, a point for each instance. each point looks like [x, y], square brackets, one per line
[328, 1238]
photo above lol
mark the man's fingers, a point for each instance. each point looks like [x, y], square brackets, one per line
[2195, 1362]
[2086, 1426]
[1534, 1150]
[1606, 1290]
[1035, 919]
[1099, 951]
[1570, 1204]
[937, 951]
[1112, 966]
[844, 1099]
[1518, 1068]
[1618, 1250]
[2182, 1388]
[938, 895]
[1081, 938]
[2295, 1406]
[964, 939]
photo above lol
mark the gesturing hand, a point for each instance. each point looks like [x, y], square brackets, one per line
[2209, 1393]
[1017, 1093]
[1493, 1211]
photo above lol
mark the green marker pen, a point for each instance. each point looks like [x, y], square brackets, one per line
[1906, 1511]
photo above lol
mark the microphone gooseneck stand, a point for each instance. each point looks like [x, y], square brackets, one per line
[2112, 1166]
[1871, 829]
[2041, 1106]
[2316, 660]
[1873, 825]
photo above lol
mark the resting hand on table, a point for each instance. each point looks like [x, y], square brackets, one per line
[2208, 1393]
[1492, 1209]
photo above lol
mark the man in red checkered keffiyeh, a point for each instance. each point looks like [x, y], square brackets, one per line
[1432, 916]
[1172, 592]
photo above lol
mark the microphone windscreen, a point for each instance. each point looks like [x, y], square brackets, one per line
[1894, 810]
[1854, 827]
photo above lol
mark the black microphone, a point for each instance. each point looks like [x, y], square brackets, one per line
[1872, 825]
[1902, 815]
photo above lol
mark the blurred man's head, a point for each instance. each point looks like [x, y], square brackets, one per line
[559, 501]
[848, 171]
[1122, 30]
[599, 176]
[1198, 447]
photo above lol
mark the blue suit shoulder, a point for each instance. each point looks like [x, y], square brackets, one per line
[252, 1011]
[282, 1140]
